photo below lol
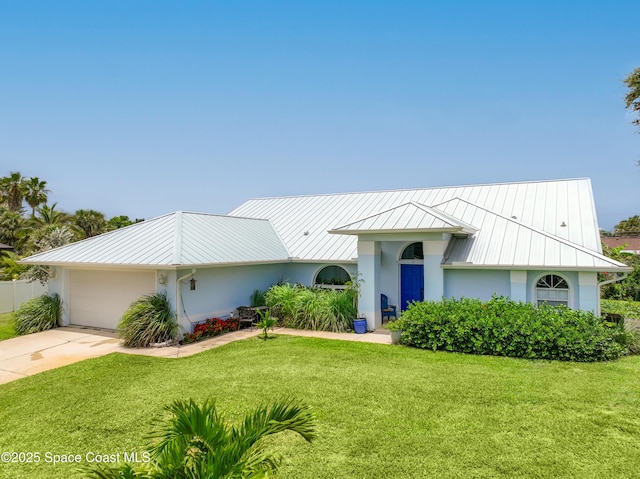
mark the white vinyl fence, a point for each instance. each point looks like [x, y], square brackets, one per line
[14, 293]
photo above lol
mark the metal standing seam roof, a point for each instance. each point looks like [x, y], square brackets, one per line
[506, 242]
[304, 222]
[406, 217]
[535, 224]
[176, 239]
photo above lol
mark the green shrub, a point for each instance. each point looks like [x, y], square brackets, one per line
[312, 308]
[504, 327]
[149, 320]
[38, 314]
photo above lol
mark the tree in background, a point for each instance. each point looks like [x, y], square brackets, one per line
[9, 266]
[13, 189]
[118, 222]
[90, 222]
[45, 227]
[629, 288]
[10, 224]
[44, 239]
[48, 215]
[628, 227]
[632, 99]
[36, 193]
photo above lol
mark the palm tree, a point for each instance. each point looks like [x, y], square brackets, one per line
[48, 215]
[10, 224]
[196, 443]
[91, 222]
[9, 266]
[46, 220]
[13, 190]
[36, 194]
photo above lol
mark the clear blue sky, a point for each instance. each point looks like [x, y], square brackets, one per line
[147, 107]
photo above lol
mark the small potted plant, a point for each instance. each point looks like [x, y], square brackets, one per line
[396, 328]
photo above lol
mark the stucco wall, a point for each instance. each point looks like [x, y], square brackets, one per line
[220, 290]
[476, 283]
[305, 273]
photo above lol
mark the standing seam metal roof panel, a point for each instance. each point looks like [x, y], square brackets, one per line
[530, 202]
[176, 239]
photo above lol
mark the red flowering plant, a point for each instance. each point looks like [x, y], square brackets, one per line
[209, 328]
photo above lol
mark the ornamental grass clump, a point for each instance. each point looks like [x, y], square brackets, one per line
[318, 309]
[503, 327]
[38, 314]
[148, 321]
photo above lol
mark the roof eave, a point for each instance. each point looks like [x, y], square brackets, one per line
[452, 230]
[156, 265]
[545, 267]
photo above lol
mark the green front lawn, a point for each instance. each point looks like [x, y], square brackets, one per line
[7, 326]
[382, 411]
[627, 309]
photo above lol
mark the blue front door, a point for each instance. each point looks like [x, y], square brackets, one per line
[411, 284]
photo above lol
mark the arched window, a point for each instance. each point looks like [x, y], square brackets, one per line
[413, 251]
[553, 290]
[334, 275]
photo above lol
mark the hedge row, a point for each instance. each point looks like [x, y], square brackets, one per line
[503, 327]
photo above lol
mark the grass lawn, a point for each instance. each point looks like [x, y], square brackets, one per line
[628, 309]
[7, 322]
[382, 411]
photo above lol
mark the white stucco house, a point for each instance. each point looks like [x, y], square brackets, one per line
[532, 241]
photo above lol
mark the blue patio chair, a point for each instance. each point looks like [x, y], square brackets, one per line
[388, 310]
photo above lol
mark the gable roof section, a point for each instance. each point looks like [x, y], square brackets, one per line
[505, 242]
[304, 222]
[408, 217]
[176, 239]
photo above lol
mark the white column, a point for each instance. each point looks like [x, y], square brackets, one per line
[588, 292]
[519, 286]
[433, 272]
[369, 274]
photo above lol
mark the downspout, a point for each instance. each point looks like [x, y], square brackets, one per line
[618, 277]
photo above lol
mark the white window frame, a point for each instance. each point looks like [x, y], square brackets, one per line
[553, 291]
[330, 286]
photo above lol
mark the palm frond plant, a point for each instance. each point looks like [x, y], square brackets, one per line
[266, 322]
[38, 314]
[196, 442]
[149, 320]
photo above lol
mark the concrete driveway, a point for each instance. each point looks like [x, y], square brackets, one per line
[34, 353]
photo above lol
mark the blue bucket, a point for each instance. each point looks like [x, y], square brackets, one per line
[360, 326]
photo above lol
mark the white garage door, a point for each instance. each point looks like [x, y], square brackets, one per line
[99, 298]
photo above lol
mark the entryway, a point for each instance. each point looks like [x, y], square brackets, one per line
[411, 284]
